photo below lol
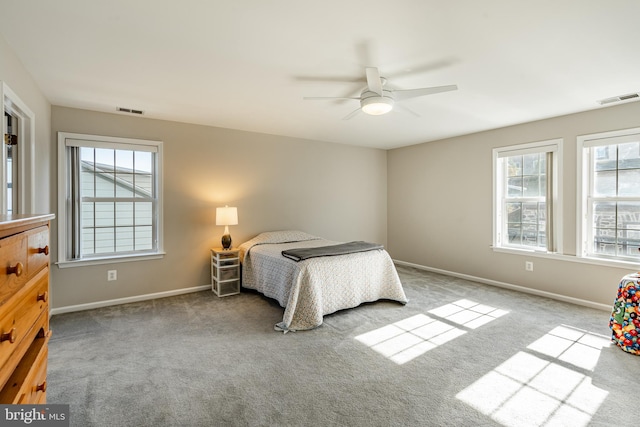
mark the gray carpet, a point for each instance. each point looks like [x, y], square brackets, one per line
[199, 360]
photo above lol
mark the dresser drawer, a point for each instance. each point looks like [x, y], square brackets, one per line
[13, 265]
[28, 383]
[18, 321]
[21, 256]
[37, 249]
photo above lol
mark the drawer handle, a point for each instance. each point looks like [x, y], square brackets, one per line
[9, 336]
[43, 296]
[44, 250]
[42, 387]
[17, 270]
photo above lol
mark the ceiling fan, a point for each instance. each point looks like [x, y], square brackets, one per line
[376, 99]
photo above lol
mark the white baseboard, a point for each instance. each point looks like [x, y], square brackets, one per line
[577, 301]
[118, 301]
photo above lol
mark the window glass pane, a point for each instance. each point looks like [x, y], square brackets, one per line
[105, 240]
[87, 156]
[143, 162]
[514, 186]
[124, 160]
[605, 158]
[531, 186]
[628, 215]
[542, 224]
[629, 155]
[105, 159]
[629, 182]
[105, 185]
[144, 185]
[604, 183]
[514, 166]
[104, 214]
[87, 238]
[534, 164]
[515, 233]
[124, 239]
[144, 213]
[144, 238]
[616, 228]
[629, 229]
[124, 185]
[87, 183]
[604, 242]
[604, 215]
[530, 234]
[514, 213]
[87, 214]
[124, 213]
[530, 213]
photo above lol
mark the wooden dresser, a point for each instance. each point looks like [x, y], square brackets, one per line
[24, 307]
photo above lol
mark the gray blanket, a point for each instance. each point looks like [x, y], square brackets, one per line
[300, 254]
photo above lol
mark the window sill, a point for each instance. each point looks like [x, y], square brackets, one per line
[109, 260]
[626, 265]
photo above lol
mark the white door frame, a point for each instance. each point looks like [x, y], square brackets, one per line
[13, 105]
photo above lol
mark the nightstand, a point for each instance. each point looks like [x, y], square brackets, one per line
[225, 271]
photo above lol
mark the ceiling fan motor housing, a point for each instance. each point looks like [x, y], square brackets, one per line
[374, 104]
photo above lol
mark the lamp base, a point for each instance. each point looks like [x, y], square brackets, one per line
[226, 241]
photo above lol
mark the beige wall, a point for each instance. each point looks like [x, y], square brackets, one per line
[440, 206]
[331, 190]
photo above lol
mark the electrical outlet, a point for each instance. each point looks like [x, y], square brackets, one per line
[528, 265]
[112, 275]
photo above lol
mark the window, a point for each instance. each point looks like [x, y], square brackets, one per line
[609, 209]
[110, 197]
[526, 196]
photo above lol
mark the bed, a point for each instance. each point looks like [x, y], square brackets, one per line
[319, 285]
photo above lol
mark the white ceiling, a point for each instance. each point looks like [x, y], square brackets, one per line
[247, 64]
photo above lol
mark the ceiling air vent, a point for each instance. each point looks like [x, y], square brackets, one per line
[619, 98]
[130, 110]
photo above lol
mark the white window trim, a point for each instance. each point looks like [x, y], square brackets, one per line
[555, 145]
[582, 189]
[11, 103]
[63, 225]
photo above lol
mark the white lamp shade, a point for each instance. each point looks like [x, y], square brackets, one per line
[227, 216]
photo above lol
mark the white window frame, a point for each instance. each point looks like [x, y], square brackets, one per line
[553, 198]
[584, 226]
[65, 235]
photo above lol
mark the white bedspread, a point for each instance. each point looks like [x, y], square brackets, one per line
[310, 289]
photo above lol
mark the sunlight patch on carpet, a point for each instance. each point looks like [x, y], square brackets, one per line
[572, 345]
[528, 390]
[468, 313]
[409, 338]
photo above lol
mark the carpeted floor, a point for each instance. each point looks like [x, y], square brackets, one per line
[459, 354]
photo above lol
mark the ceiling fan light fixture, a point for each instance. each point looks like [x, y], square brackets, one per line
[376, 105]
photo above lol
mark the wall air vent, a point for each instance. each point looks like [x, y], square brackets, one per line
[129, 110]
[619, 98]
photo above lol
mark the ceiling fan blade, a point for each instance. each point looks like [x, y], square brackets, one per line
[400, 95]
[406, 109]
[373, 80]
[351, 114]
[315, 98]
[329, 79]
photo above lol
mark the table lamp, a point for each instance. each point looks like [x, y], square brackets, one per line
[226, 216]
